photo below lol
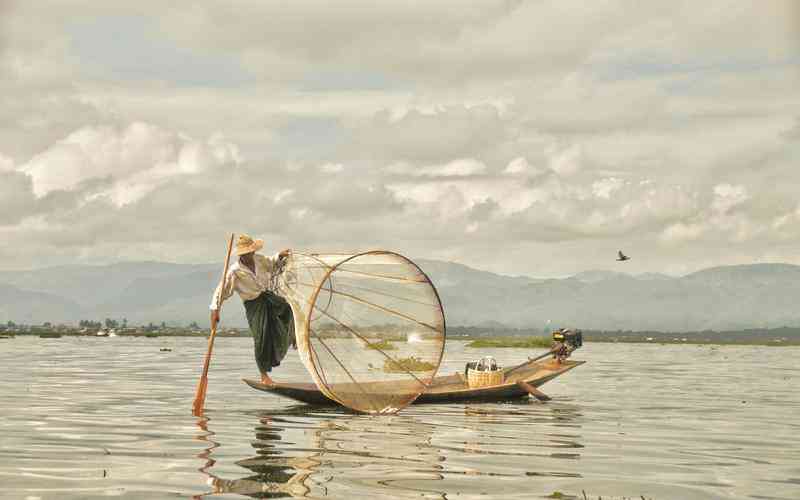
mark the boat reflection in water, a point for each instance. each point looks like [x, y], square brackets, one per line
[455, 449]
[347, 451]
[275, 476]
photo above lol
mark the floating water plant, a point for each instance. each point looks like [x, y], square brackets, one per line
[524, 342]
[403, 365]
[383, 345]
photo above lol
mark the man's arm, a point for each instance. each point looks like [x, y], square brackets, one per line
[221, 295]
[271, 263]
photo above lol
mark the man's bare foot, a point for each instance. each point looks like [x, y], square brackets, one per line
[266, 380]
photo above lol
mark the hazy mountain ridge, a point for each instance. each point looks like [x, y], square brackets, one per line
[730, 297]
[91, 285]
[26, 306]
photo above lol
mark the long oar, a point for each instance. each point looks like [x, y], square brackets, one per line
[200, 395]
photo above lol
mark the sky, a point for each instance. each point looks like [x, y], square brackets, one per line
[520, 137]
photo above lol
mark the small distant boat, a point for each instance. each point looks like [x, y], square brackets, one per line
[101, 333]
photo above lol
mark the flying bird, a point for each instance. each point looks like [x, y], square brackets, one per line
[622, 257]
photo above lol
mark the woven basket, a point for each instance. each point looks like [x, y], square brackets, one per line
[478, 378]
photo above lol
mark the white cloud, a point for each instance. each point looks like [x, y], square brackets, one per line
[461, 167]
[727, 196]
[457, 168]
[282, 196]
[16, 197]
[300, 213]
[224, 151]
[520, 166]
[548, 127]
[566, 162]
[6, 163]
[517, 166]
[547, 207]
[605, 187]
[331, 168]
[680, 232]
[131, 161]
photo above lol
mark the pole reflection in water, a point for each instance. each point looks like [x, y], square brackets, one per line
[202, 423]
[435, 452]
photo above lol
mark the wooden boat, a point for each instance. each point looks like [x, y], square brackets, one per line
[520, 380]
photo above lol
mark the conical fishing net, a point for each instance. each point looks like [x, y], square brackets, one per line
[370, 327]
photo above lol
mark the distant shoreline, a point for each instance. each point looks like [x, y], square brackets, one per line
[770, 343]
[497, 337]
[784, 336]
[542, 342]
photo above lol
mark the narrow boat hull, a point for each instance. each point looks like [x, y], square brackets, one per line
[443, 389]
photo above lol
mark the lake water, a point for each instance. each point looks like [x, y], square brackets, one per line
[99, 417]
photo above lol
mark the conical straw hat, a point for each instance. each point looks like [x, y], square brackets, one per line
[245, 244]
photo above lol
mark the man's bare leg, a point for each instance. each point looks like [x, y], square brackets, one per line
[266, 380]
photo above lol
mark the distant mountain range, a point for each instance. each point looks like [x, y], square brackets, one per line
[719, 298]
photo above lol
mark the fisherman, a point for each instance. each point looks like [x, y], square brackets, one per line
[559, 346]
[565, 340]
[269, 315]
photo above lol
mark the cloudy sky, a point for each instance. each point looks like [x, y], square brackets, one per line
[519, 137]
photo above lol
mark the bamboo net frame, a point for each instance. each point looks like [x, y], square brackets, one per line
[370, 326]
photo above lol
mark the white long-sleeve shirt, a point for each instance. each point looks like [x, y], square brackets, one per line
[249, 284]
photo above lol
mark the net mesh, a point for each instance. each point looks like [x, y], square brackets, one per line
[370, 327]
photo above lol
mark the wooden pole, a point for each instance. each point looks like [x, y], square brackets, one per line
[202, 385]
[537, 358]
[533, 391]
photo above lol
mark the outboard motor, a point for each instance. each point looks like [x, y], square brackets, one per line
[565, 341]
